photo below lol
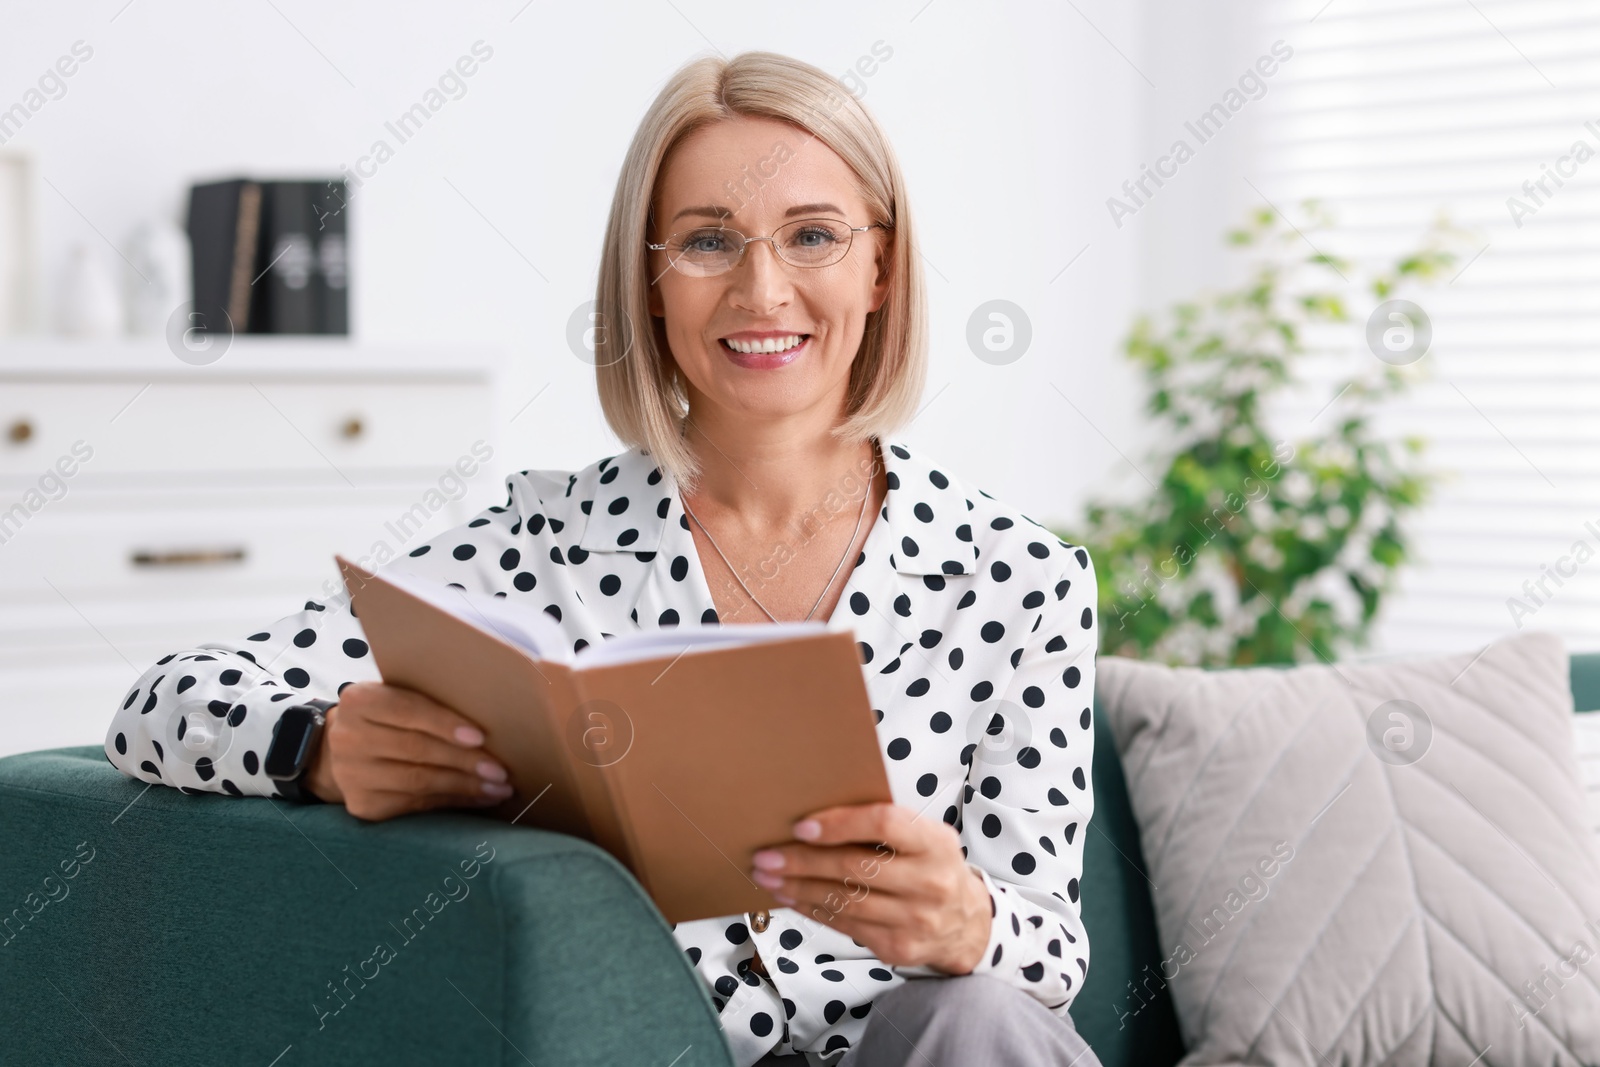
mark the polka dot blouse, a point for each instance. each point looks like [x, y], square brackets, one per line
[976, 631]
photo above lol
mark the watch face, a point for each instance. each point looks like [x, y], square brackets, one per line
[287, 753]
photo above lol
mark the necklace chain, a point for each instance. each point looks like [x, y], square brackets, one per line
[866, 496]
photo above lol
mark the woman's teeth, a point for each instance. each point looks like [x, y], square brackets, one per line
[770, 344]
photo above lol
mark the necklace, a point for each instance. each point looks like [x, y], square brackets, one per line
[865, 497]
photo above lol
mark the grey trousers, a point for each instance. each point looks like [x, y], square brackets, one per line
[958, 1022]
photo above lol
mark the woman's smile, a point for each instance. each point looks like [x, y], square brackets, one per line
[764, 349]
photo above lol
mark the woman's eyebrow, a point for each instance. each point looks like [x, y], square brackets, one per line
[709, 209]
[715, 212]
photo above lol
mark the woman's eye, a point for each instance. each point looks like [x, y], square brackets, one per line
[815, 237]
[703, 242]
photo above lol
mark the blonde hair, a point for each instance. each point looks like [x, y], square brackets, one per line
[641, 391]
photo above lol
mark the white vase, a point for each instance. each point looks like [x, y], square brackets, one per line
[160, 252]
[89, 306]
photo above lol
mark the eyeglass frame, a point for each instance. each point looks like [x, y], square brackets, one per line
[747, 241]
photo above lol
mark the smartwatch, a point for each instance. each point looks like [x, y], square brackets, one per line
[294, 744]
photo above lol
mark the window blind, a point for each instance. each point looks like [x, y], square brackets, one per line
[1489, 110]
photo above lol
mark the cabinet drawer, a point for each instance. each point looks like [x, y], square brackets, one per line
[87, 550]
[335, 428]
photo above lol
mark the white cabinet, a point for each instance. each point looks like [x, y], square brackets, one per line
[147, 505]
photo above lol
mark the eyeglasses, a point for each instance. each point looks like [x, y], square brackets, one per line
[707, 251]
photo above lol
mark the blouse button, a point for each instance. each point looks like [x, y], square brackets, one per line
[758, 923]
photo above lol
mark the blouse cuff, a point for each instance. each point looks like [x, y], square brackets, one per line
[994, 951]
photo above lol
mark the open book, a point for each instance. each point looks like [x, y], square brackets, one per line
[680, 751]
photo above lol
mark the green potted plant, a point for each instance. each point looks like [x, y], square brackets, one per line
[1257, 546]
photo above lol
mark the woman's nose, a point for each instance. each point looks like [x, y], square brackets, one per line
[761, 280]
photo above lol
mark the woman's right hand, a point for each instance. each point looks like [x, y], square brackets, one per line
[387, 751]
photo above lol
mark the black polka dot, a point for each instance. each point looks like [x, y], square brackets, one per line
[354, 647]
[464, 552]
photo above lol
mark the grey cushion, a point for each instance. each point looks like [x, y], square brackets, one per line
[1586, 735]
[1328, 895]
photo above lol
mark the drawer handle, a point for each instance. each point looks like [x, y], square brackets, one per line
[352, 428]
[188, 557]
[20, 431]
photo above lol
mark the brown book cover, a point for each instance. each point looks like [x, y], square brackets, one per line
[679, 751]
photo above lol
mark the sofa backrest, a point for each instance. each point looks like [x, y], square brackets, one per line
[1125, 1011]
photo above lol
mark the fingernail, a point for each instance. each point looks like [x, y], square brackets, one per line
[491, 770]
[766, 879]
[469, 735]
[768, 859]
[781, 899]
[807, 829]
[497, 789]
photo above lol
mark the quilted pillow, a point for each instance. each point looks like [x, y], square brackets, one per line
[1370, 863]
[1586, 733]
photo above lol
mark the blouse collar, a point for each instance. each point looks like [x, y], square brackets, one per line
[635, 502]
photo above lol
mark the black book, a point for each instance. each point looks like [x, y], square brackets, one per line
[224, 227]
[286, 299]
[329, 208]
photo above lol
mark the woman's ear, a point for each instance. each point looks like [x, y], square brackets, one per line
[653, 299]
[883, 259]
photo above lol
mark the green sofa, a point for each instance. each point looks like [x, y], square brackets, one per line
[147, 926]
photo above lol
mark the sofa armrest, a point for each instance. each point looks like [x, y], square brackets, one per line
[139, 924]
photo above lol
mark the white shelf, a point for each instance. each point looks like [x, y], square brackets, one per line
[248, 356]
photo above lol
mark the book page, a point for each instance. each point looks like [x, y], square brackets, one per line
[532, 631]
[541, 637]
[675, 640]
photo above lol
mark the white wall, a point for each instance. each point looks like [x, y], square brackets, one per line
[1013, 124]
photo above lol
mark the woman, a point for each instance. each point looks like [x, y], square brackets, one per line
[762, 328]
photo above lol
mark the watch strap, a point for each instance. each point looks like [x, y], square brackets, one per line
[295, 789]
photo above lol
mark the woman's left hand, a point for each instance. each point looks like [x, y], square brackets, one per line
[896, 883]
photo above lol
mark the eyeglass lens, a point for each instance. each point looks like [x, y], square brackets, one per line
[709, 250]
